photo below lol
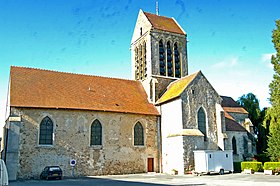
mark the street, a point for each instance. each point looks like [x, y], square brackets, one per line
[160, 179]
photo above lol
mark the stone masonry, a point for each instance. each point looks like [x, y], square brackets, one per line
[72, 139]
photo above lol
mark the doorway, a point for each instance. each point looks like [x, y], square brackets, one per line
[150, 164]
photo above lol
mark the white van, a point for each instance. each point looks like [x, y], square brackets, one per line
[3, 174]
[207, 161]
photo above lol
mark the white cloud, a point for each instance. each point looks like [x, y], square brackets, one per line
[266, 59]
[229, 62]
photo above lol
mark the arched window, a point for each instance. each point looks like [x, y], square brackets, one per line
[177, 61]
[46, 132]
[234, 145]
[169, 60]
[162, 59]
[138, 134]
[96, 133]
[202, 122]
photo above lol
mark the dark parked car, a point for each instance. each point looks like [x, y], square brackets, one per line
[51, 172]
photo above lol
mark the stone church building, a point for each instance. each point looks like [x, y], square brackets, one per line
[152, 123]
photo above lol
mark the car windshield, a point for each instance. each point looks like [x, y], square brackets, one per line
[54, 169]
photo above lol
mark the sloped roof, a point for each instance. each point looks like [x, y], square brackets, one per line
[38, 88]
[187, 132]
[230, 105]
[176, 88]
[232, 125]
[164, 23]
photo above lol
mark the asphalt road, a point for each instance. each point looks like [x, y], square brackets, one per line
[160, 180]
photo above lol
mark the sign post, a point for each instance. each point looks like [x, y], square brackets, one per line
[73, 164]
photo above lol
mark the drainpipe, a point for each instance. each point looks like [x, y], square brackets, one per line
[159, 143]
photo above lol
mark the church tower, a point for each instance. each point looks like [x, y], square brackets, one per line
[159, 53]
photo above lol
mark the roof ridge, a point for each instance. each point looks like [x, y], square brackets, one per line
[158, 15]
[175, 88]
[73, 73]
[180, 79]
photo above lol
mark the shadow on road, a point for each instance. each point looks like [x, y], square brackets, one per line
[87, 181]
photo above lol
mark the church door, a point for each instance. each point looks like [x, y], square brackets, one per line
[150, 164]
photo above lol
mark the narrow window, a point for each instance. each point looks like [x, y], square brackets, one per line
[141, 31]
[162, 59]
[144, 75]
[151, 91]
[222, 121]
[46, 132]
[202, 122]
[138, 134]
[96, 133]
[234, 145]
[177, 61]
[140, 60]
[169, 60]
[136, 64]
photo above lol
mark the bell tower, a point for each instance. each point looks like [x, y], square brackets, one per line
[158, 52]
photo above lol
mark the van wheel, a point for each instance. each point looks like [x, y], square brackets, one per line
[221, 171]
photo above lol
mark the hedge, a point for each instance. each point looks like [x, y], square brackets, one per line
[237, 166]
[271, 166]
[255, 166]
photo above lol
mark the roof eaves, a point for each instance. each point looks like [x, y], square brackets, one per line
[154, 113]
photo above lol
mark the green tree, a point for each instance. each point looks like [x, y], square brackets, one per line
[273, 113]
[251, 104]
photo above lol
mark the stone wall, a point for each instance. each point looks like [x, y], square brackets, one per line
[117, 155]
[239, 117]
[241, 144]
[199, 94]
[156, 36]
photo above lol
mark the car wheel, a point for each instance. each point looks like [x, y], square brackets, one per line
[60, 177]
[47, 178]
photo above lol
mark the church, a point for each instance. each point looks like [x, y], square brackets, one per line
[152, 123]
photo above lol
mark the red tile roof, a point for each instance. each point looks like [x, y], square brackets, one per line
[38, 88]
[164, 23]
[232, 125]
[230, 105]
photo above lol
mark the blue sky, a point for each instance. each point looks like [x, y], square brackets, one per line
[230, 41]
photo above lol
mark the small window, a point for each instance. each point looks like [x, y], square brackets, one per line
[141, 31]
[96, 133]
[210, 156]
[46, 132]
[138, 134]
[226, 155]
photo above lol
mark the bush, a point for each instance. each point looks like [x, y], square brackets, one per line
[262, 158]
[271, 166]
[237, 166]
[255, 166]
